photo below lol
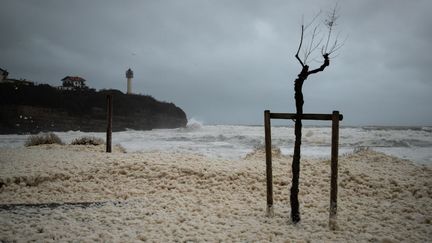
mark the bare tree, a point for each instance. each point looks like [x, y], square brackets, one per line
[329, 44]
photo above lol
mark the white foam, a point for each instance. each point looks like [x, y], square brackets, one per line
[169, 197]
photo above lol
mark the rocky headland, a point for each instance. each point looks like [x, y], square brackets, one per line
[40, 108]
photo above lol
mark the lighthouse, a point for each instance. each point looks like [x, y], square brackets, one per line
[129, 76]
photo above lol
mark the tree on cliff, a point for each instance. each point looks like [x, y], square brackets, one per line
[328, 44]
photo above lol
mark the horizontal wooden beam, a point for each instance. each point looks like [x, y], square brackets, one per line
[304, 116]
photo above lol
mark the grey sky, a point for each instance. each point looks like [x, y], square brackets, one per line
[227, 61]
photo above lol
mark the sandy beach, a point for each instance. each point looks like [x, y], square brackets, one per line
[177, 197]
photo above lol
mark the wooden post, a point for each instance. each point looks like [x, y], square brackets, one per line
[109, 123]
[268, 151]
[334, 170]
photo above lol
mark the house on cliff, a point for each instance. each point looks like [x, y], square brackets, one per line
[4, 79]
[73, 83]
[3, 74]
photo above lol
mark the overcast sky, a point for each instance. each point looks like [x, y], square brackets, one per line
[226, 61]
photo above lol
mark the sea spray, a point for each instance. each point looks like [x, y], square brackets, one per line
[193, 124]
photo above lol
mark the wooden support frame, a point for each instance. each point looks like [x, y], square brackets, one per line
[109, 123]
[335, 117]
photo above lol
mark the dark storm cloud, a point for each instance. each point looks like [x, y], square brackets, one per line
[227, 61]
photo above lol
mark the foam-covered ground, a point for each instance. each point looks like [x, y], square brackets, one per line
[165, 197]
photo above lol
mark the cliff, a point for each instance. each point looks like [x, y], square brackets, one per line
[33, 109]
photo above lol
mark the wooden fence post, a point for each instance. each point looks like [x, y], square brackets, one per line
[334, 170]
[268, 150]
[109, 123]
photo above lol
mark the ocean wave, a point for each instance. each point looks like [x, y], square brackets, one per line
[233, 140]
[427, 129]
[192, 125]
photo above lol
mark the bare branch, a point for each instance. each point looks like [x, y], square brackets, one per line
[334, 56]
[304, 52]
[307, 50]
[329, 43]
[337, 45]
[313, 20]
[312, 47]
[330, 22]
[323, 66]
[300, 45]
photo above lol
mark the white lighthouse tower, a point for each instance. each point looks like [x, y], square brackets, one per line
[129, 76]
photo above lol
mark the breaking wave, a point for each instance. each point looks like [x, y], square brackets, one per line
[193, 124]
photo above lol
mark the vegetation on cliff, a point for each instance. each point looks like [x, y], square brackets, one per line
[32, 109]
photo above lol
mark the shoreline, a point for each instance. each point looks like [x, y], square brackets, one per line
[178, 196]
[234, 142]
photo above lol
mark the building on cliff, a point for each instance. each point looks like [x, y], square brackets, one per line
[3, 74]
[73, 83]
[4, 79]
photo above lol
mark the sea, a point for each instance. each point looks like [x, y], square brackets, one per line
[236, 141]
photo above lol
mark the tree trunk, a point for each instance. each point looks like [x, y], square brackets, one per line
[298, 84]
